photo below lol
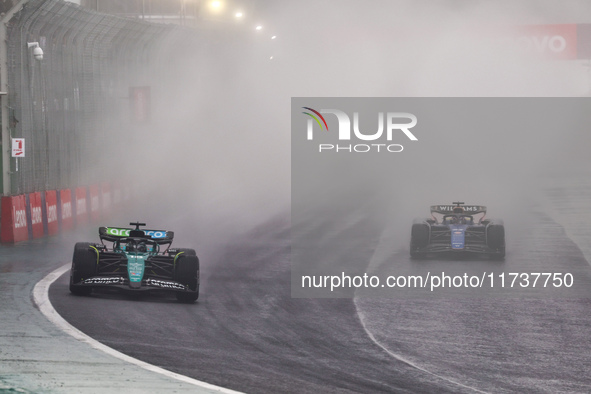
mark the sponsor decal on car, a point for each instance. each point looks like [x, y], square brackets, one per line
[135, 268]
[450, 208]
[103, 281]
[165, 283]
[124, 232]
[155, 234]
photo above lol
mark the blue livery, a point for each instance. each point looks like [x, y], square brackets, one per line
[458, 228]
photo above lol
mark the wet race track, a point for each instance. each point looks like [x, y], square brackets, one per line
[207, 133]
[247, 333]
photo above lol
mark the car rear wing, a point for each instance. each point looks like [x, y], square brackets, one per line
[462, 209]
[112, 234]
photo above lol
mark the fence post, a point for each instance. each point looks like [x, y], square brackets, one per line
[5, 154]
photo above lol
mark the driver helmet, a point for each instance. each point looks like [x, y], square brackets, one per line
[142, 248]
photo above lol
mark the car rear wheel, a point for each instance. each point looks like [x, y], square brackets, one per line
[84, 263]
[187, 252]
[419, 238]
[186, 272]
[495, 239]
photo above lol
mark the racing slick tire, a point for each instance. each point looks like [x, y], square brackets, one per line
[495, 239]
[186, 272]
[84, 264]
[419, 238]
[186, 251]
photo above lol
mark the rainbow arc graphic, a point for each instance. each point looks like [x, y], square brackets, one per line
[315, 116]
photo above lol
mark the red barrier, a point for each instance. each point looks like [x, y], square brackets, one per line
[51, 212]
[36, 219]
[95, 207]
[14, 219]
[106, 197]
[65, 214]
[81, 206]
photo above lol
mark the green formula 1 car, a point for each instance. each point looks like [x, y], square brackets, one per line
[137, 260]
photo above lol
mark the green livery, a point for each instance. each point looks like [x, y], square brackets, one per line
[135, 266]
[136, 260]
[118, 232]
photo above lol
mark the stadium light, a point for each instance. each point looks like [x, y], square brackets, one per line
[216, 6]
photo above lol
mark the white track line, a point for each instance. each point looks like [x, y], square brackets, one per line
[41, 299]
[404, 360]
[398, 357]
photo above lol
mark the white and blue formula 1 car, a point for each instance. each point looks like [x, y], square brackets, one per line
[458, 229]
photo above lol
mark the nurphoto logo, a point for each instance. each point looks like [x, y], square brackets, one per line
[396, 124]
